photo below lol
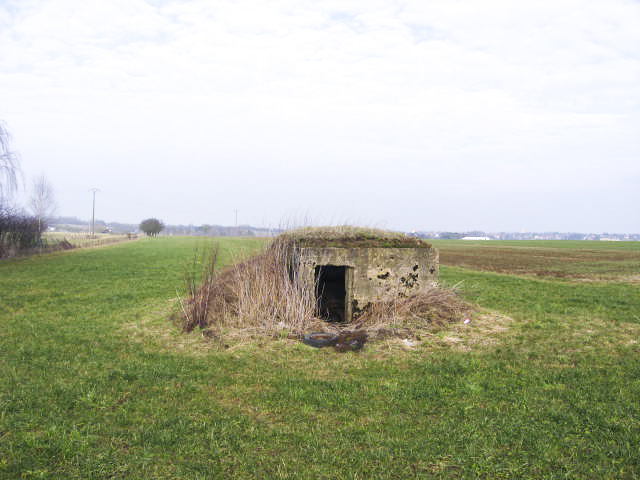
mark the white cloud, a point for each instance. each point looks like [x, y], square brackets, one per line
[463, 96]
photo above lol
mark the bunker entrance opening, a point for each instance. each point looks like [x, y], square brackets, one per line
[331, 292]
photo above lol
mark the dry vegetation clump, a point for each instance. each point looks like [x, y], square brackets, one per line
[264, 296]
[406, 316]
[195, 309]
[254, 297]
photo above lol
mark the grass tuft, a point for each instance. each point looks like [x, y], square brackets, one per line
[430, 309]
[195, 308]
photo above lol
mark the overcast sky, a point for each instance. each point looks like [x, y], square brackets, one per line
[426, 115]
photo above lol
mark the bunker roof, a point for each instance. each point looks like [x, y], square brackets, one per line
[350, 237]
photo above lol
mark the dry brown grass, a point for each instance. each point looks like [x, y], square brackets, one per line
[256, 297]
[196, 308]
[405, 316]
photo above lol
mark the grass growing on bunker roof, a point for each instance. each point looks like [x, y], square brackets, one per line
[348, 236]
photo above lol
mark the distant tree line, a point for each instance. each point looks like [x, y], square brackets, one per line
[18, 231]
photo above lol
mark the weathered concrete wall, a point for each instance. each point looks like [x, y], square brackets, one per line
[375, 273]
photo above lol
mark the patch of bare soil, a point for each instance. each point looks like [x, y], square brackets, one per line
[606, 334]
[485, 329]
[635, 279]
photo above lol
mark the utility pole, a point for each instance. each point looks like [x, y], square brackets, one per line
[236, 217]
[93, 215]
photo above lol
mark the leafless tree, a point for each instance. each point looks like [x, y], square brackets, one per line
[9, 164]
[42, 201]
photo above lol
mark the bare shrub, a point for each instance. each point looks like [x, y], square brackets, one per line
[63, 244]
[429, 309]
[267, 296]
[42, 201]
[18, 232]
[257, 296]
[195, 308]
[9, 164]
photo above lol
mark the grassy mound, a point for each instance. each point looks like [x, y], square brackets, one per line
[263, 295]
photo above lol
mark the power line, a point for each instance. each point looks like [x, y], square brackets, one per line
[93, 215]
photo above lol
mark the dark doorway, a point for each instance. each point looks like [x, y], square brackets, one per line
[331, 292]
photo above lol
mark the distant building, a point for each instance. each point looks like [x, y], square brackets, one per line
[475, 238]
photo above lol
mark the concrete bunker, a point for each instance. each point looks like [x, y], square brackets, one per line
[352, 270]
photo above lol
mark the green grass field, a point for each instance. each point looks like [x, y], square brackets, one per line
[95, 382]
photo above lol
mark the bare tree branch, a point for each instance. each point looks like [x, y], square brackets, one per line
[9, 164]
[42, 201]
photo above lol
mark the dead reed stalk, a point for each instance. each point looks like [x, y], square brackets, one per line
[268, 296]
[257, 296]
[196, 307]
